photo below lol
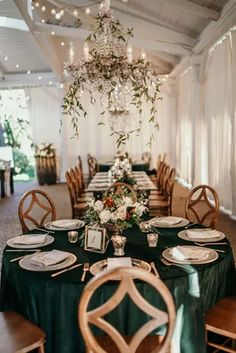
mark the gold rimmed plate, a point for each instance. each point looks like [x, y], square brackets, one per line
[184, 235]
[26, 264]
[210, 256]
[100, 266]
[53, 226]
[182, 222]
[48, 240]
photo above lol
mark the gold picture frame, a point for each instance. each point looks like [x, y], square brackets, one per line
[95, 239]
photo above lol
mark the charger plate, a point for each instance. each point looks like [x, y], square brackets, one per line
[27, 265]
[211, 256]
[183, 235]
[50, 226]
[182, 223]
[99, 266]
[49, 240]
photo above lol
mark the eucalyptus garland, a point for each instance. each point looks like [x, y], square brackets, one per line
[109, 71]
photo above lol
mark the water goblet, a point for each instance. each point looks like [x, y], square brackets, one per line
[152, 239]
[119, 244]
[73, 236]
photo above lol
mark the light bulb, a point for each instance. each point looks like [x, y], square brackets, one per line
[87, 11]
[17, 66]
[6, 58]
[53, 11]
[43, 20]
[143, 55]
[43, 8]
[62, 12]
[39, 78]
[62, 44]
[75, 13]
[58, 16]
[53, 33]
[86, 51]
[36, 4]
[28, 72]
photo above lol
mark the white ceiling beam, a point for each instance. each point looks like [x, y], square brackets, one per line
[154, 45]
[22, 80]
[46, 45]
[196, 9]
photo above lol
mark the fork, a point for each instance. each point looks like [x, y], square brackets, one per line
[21, 257]
[205, 244]
[85, 270]
[46, 231]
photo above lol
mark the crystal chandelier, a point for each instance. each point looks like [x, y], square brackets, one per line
[109, 71]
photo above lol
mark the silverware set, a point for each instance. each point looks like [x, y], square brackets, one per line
[65, 270]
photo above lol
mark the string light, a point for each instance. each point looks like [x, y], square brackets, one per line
[36, 4]
[87, 11]
[53, 11]
[17, 66]
[62, 44]
[43, 8]
[43, 20]
[53, 33]
[28, 72]
[6, 58]
[39, 78]
[75, 12]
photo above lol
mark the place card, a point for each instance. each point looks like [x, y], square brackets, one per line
[113, 262]
[96, 239]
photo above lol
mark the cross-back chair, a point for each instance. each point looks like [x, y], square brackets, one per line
[28, 203]
[19, 335]
[80, 166]
[202, 206]
[127, 286]
[221, 320]
[121, 189]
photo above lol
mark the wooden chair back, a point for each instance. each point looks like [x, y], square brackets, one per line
[121, 189]
[92, 166]
[35, 203]
[71, 188]
[80, 166]
[126, 286]
[19, 335]
[202, 205]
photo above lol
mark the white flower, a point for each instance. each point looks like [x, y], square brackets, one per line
[90, 203]
[120, 213]
[98, 206]
[128, 201]
[105, 216]
[140, 209]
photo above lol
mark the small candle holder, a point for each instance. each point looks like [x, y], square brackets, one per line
[119, 244]
[73, 236]
[152, 239]
[145, 227]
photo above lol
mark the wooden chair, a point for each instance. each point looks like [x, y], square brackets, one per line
[121, 189]
[19, 335]
[92, 166]
[78, 207]
[147, 157]
[198, 207]
[127, 277]
[221, 320]
[80, 166]
[162, 204]
[28, 205]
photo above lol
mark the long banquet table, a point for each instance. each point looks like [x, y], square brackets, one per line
[52, 303]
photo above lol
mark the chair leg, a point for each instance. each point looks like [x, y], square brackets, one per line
[41, 348]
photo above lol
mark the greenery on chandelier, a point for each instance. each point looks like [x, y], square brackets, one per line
[109, 70]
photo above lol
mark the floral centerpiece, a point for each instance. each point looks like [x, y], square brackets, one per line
[44, 150]
[116, 213]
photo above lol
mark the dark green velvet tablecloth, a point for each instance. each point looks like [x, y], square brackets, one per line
[52, 303]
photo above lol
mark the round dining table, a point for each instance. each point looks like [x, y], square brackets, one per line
[52, 302]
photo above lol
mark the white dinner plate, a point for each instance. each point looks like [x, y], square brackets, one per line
[27, 265]
[50, 226]
[182, 223]
[49, 240]
[183, 235]
[211, 256]
[99, 266]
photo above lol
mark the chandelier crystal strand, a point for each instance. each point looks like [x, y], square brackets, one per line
[121, 81]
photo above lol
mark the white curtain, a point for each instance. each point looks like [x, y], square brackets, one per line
[218, 123]
[206, 124]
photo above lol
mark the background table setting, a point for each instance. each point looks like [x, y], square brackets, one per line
[47, 289]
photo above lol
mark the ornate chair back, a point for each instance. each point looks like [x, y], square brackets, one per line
[202, 206]
[35, 208]
[162, 313]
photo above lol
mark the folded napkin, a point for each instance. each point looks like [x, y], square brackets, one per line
[168, 220]
[186, 253]
[65, 223]
[114, 262]
[30, 239]
[202, 234]
[51, 258]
